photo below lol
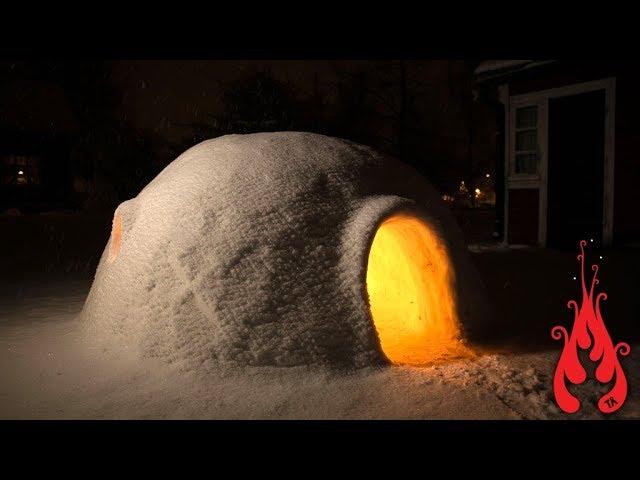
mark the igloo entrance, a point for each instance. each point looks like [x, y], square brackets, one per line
[409, 284]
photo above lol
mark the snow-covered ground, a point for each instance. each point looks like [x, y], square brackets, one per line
[47, 372]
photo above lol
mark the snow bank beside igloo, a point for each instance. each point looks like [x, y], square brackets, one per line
[252, 250]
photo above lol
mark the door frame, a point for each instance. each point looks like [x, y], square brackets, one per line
[540, 179]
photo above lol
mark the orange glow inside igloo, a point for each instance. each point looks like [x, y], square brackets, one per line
[410, 287]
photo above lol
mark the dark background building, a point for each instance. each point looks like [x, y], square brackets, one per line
[37, 130]
[568, 150]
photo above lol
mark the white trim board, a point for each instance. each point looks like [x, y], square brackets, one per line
[540, 180]
[503, 92]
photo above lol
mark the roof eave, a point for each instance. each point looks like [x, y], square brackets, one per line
[506, 72]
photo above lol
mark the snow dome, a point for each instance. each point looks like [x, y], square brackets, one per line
[285, 249]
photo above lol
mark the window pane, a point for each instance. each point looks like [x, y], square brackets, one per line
[526, 140]
[526, 163]
[527, 117]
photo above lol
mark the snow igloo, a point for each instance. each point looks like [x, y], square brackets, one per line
[285, 249]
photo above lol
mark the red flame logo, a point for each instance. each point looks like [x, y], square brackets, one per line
[589, 331]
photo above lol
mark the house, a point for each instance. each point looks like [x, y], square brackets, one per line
[568, 163]
[37, 126]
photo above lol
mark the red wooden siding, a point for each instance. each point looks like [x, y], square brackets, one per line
[523, 216]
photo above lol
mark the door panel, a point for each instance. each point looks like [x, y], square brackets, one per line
[575, 169]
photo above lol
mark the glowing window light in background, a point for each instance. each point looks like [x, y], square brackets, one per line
[21, 179]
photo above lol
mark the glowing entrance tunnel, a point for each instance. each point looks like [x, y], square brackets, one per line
[409, 283]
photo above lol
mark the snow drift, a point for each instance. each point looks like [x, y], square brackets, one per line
[252, 250]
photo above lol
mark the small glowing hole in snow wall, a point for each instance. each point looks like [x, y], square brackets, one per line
[410, 288]
[116, 237]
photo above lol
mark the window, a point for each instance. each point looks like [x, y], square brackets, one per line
[19, 170]
[526, 144]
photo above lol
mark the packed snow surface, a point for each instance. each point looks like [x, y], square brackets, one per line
[252, 250]
[48, 372]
